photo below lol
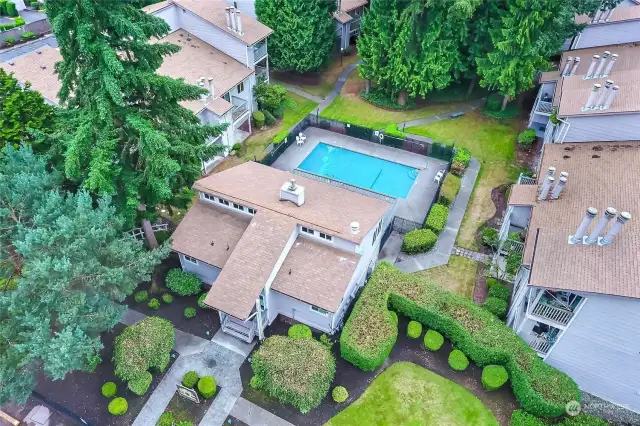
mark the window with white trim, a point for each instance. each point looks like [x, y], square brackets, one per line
[251, 211]
[319, 310]
[208, 197]
[308, 230]
[325, 236]
[376, 233]
[238, 207]
[190, 259]
[222, 201]
[240, 87]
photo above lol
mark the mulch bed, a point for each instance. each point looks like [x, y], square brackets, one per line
[20, 411]
[480, 290]
[80, 392]
[501, 402]
[184, 409]
[206, 322]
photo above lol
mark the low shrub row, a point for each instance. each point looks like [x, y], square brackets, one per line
[393, 131]
[419, 241]
[18, 22]
[382, 99]
[437, 218]
[522, 418]
[450, 188]
[8, 8]
[460, 161]
[370, 333]
[498, 290]
[497, 307]
[206, 385]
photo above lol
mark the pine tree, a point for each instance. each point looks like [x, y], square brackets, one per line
[304, 32]
[76, 266]
[124, 131]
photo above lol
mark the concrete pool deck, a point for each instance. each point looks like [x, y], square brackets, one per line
[415, 206]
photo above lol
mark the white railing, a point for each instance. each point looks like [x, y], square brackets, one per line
[539, 345]
[548, 132]
[513, 245]
[139, 232]
[262, 72]
[544, 108]
[552, 313]
[239, 107]
[506, 223]
[525, 180]
[259, 51]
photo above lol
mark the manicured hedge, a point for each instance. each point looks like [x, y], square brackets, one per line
[141, 384]
[183, 283]
[207, 387]
[141, 296]
[299, 331]
[189, 312]
[414, 329]
[190, 379]
[167, 298]
[295, 371]
[433, 340]
[458, 360]
[109, 389]
[497, 307]
[393, 131]
[450, 188]
[154, 303]
[11, 9]
[339, 394]
[522, 418]
[500, 291]
[370, 333]
[419, 241]
[494, 377]
[118, 406]
[437, 218]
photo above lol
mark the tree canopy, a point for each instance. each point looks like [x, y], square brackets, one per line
[304, 32]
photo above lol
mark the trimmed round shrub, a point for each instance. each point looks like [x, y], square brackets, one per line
[236, 147]
[497, 307]
[414, 329]
[207, 386]
[141, 384]
[166, 419]
[11, 9]
[167, 298]
[154, 303]
[189, 312]
[527, 137]
[339, 394]
[299, 331]
[258, 118]
[494, 377]
[118, 406]
[201, 301]
[109, 389]
[458, 360]
[437, 218]
[190, 379]
[255, 382]
[183, 283]
[433, 340]
[269, 119]
[141, 296]
[419, 241]
[500, 291]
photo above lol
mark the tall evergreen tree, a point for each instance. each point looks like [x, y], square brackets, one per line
[304, 32]
[75, 266]
[124, 131]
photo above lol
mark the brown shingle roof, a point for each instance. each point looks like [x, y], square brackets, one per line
[248, 268]
[523, 195]
[204, 225]
[316, 273]
[347, 5]
[326, 208]
[156, 6]
[598, 177]
[620, 14]
[28, 68]
[342, 17]
[213, 11]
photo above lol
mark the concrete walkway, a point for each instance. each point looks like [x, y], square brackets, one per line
[254, 415]
[342, 78]
[299, 91]
[470, 254]
[465, 107]
[440, 254]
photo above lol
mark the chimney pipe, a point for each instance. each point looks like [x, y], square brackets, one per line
[609, 214]
[576, 62]
[212, 88]
[610, 65]
[546, 186]
[584, 225]
[551, 171]
[592, 67]
[603, 95]
[612, 95]
[602, 62]
[203, 97]
[596, 16]
[232, 13]
[355, 228]
[567, 66]
[622, 219]
[608, 15]
[238, 22]
[558, 188]
[227, 11]
[592, 97]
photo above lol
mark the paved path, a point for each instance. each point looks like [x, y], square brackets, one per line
[342, 78]
[254, 415]
[467, 106]
[470, 254]
[299, 91]
[440, 254]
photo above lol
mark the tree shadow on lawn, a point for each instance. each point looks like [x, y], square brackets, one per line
[206, 322]
[501, 402]
[81, 392]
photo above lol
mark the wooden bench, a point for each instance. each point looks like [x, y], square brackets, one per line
[4, 416]
[456, 115]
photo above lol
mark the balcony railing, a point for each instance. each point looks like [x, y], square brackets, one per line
[259, 51]
[261, 72]
[513, 245]
[354, 25]
[552, 313]
[525, 180]
[544, 108]
[540, 345]
[239, 107]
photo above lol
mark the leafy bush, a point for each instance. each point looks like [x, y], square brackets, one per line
[299, 331]
[497, 307]
[450, 188]
[295, 371]
[255, 382]
[11, 9]
[433, 340]
[19, 21]
[460, 161]
[162, 236]
[154, 303]
[183, 283]
[527, 137]
[394, 317]
[325, 340]
[237, 147]
[140, 385]
[189, 312]
[270, 97]
[393, 131]
[458, 360]
[511, 111]
[437, 218]
[3, 7]
[370, 333]
[500, 291]
[269, 119]
[494, 102]
[141, 296]
[522, 418]
[201, 301]
[583, 420]
[190, 379]
[380, 98]
[414, 329]
[142, 346]
[513, 262]
[419, 241]
[109, 389]
[9, 40]
[167, 298]
[166, 419]
[28, 35]
[118, 406]
[493, 377]
[184, 423]
[515, 236]
[339, 394]
[258, 118]
[207, 386]
[490, 237]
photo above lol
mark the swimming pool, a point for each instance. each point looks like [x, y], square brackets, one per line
[361, 170]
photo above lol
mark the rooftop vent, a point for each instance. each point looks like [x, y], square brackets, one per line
[592, 67]
[355, 228]
[567, 66]
[609, 214]
[559, 187]
[592, 97]
[584, 225]
[610, 65]
[603, 95]
[290, 191]
[623, 218]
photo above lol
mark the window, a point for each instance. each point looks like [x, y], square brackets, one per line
[240, 87]
[227, 97]
[190, 259]
[209, 197]
[251, 211]
[221, 201]
[238, 206]
[319, 310]
[377, 232]
[308, 231]
[325, 236]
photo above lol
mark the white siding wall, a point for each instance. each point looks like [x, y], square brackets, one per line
[601, 349]
[299, 311]
[607, 34]
[170, 16]
[207, 273]
[616, 127]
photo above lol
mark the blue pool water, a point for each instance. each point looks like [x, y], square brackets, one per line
[360, 170]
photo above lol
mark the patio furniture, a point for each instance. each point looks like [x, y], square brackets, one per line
[438, 176]
[303, 137]
[299, 141]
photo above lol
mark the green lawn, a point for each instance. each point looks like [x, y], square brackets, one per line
[258, 141]
[490, 141]
[409, 395]
[458, 276]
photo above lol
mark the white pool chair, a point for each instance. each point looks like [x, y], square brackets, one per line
[299, 141]
[438, 176]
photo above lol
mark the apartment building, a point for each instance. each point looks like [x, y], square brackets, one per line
[272, 243]
[348, 18]
[613, 26]
[576, 297]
